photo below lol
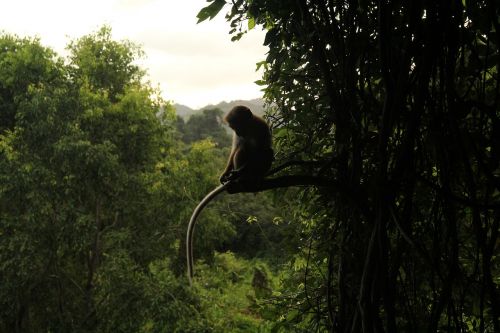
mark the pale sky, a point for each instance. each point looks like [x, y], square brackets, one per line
[194, 64]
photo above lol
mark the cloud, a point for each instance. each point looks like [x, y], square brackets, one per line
[194, 63]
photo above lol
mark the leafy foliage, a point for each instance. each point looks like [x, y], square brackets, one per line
[104, 64]
[204, 125]
[211, 10]
[95, 192]
[232, 296]
[24, 63]
[396, 103]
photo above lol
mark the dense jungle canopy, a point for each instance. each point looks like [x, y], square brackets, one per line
[388, 109]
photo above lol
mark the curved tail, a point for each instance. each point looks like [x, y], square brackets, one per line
[192, 222]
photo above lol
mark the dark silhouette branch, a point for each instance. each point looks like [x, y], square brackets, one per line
[279, 182]
[355, 195]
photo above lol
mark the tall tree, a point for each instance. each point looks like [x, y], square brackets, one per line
[78, 233]
[393, 107]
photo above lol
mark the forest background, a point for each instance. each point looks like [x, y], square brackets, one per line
[390, 108]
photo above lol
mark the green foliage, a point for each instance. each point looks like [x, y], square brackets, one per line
[104, 64]
[264, 227]
[230, 297]
[204, 125]
[211, 10]
[24, 64]
[84, 225]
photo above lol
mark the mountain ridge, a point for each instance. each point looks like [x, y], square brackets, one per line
[256, 105]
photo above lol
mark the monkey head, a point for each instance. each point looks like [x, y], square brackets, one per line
[238, 119]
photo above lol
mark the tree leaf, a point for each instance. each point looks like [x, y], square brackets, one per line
[251, 23]
[210, 11]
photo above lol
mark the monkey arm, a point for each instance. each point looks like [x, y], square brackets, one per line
[241, 169]
[230, 162]
[229, 168]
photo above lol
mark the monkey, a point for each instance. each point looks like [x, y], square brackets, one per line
[251, 152]
[250, 159]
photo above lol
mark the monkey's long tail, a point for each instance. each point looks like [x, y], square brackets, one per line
[192, 222]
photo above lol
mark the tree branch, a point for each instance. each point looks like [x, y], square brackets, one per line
[278, 182]
[354, 194]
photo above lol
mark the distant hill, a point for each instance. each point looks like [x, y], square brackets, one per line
[184, 111]
[256, 105]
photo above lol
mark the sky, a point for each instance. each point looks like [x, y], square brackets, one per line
[193, 64]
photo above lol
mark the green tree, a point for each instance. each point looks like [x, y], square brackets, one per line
[31, 203]
[207, 124]
[393, 108]
[104, 64]
[81, 245]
